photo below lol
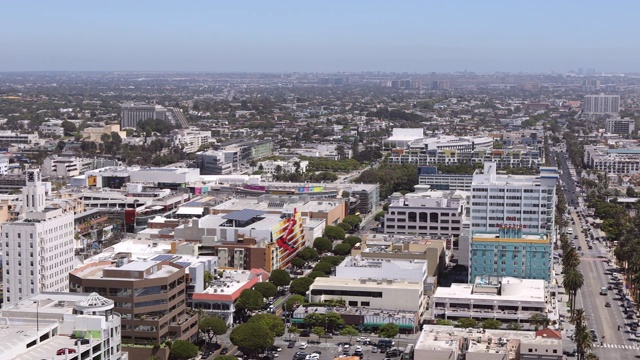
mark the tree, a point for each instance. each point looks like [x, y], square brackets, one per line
[491, 324]
[270, 321]
[208, 278]
[322, 244]
[314, 319]
[514, 326]
[225, 357]
[300, 286]
[183, 350]
[467, 323]
[352, 220]
[334, 232]
[342, 249]
[68, 127]
[293, 302]
[61, 145]
[333, 320]
[323, 267]
[572, 281]
[316, 274]
[388, 330]
[349, 331]
[296, 262]
[345, 227]
[280, 277]
[250, 300]
[308, 254]
[252, 336]
[333, 260]
[212, 326]
[539, 320]
[352, 240]
[267, 289]
[318, 330]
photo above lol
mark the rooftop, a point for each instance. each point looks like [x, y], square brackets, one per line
[512, 289]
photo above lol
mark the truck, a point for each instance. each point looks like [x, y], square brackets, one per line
[603, 290]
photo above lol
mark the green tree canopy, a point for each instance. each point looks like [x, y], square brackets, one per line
[388, 330]
[491, 324]
[183, 350]
[280, 277]
[300, 286]
[250, 300]
[352, 240]
[323, 267]
[314, 319]
[293, 300]
[298, 263]
[308, 254]
[225, 357]
[270, 321]
[333, 260]
[267, 289]
[208, 278]
[349, 331]
[318, 330]
[316, 274]
[253, 336]
[352, 220]
[345, 227]
[212, 326]
[467, 323]
[342, 249]
[334, 232]
[322, 244]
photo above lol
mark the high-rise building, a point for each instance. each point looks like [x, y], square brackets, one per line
[601, 104]
[512, 222]
[620, 126]
[590, 85]
[132, 113]
[38, 248]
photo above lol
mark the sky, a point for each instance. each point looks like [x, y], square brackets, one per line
[320, 36]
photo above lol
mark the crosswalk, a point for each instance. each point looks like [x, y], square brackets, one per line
[618, 346]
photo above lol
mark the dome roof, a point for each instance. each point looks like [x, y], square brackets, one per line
[93, 301]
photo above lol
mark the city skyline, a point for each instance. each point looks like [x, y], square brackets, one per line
[331, 36]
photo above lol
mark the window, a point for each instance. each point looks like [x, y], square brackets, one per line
[353, 303]
[365, 303]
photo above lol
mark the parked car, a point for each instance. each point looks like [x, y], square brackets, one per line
[374, 349]
[303, 345]
[393, 352]
[274, 348]
[291, 344]
[305, 333]
[82, 342]
[64, 351]
[224, 351]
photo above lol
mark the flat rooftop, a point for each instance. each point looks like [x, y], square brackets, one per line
[512, 289]
[439, 338]
[277, 204]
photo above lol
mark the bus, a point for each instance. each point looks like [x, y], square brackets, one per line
[407, 354]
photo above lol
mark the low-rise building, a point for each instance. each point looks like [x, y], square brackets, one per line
[432, 213]
[95, 133]
[11, 137]
[190, 140]
[52, 128]
[506, 299]
[217, 162]
[41, 324]
[271, 167]
[446, 342]
[620, 126]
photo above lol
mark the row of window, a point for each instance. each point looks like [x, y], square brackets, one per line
[413, 227]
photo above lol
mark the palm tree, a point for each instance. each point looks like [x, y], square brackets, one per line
[579, 317]
[592, 356]
[539, 320]
[573, 281]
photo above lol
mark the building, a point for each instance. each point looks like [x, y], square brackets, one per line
[150, 296]
[507, 299]
[95, 133]
[590, 85]
[35, 327]
[4, 166]
[446, 342]
[434, 213]
[601, 104]
[440, 85]
[217, 162]
[520, 200]
[8, 136]
[620, 126]
[190, 140]
[509, 252]
[220, 296]
[437, 181]
[52, 128]
[247, 239]
[616, 161]
[363, 318]
[56, 166]
[38, 248]
[132, 113]
[271, 167]
[516, 157]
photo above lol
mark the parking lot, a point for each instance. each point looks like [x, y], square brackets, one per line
[328, 349]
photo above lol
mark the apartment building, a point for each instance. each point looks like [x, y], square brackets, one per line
[190, 140]
[150, 296]
[601, 104]
[217, 162]
[8, 136]
[434, 213]
[52, 128]
[132, 113]
[38, 248]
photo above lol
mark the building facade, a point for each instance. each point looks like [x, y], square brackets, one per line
[38, 248]
[601, 104]
[217, 162]
[620, 126]
[132, 113]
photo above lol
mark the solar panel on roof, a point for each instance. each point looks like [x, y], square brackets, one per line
[183, 263]
[163, 257]
[243, 215]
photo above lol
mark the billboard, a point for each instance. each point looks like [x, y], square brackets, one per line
[307, 189]
[255, 187]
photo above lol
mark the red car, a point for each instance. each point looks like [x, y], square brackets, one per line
[64, 351]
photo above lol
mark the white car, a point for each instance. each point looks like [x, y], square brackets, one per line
[346, 347]
[303, 345]
[312, 357]
[358, 348]
[362, 339]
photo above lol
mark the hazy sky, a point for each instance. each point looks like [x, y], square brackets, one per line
[320, 35]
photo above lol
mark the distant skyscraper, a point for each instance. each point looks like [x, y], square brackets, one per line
[440, 85]
[591, 85]
[601, 104]
[131, 113]
[37, 249]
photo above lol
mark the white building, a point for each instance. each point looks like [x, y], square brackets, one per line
[601, 104]
[38, 248]
[132, 113]
[620, 126]
[401, 138]
[4, 166]
[190, 140]
[11, 137]
[217, 162]
[520, 200]
[508, 299]
[432, 213]
[271, 167]
[52, 128]
[616, 161]
[39, 325]
[446, 181]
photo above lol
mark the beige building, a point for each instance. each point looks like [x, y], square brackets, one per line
[381, 246]
[9, 208]
[95, 133]
[446, 342]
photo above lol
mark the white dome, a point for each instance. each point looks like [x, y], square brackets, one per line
[94, 303]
